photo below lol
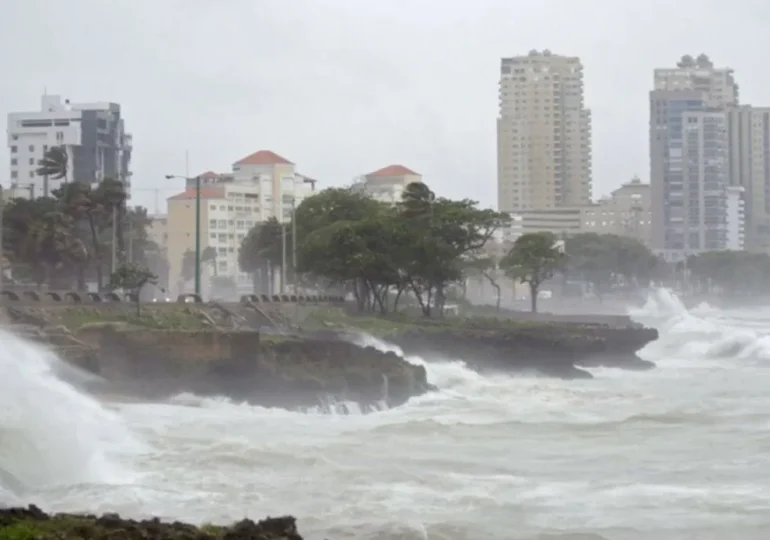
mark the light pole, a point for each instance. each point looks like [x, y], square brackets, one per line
[293, 249]
[197, 226]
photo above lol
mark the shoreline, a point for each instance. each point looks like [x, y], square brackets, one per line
[26, 523]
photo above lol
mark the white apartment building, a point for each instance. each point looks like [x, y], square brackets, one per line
[93, 135]
[386, 184]
[689, 157]
[261, 186]
[736, 219]
[543, 134]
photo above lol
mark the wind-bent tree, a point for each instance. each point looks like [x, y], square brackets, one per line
[378, 251]
[131, 277]
[54, 165]
[533, 259]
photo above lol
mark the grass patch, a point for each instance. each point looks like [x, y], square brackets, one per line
[182, 318]
[395, 323]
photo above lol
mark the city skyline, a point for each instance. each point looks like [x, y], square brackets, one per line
[342, 103]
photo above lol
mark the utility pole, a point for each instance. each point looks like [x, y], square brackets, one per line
[294, 244]
[114, 259]
[2, 240]
[283, 258]
[198, 235]
[130, 242]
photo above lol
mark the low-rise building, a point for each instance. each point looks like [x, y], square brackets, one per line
[261, 186]
[386, 184]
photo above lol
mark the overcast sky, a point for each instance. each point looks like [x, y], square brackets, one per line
[344, 87]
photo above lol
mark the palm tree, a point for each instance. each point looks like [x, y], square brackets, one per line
[55, 164]
[417, 200]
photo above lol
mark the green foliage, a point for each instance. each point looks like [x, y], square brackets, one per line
[54, 164]
[132, 277]
[208, 256]
[608, 261]
[63, 240]
[378, 251]
[533, 259]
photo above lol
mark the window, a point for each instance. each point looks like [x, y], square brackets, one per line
[14, 149]
[31, 174]
[14, 161]
[31, 161]
[222, 224]
[14, 174]
[212, 224]
[213, 207]
[31, 147]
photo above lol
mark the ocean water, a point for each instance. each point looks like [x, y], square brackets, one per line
[679, 452]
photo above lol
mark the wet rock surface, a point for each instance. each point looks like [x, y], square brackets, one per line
[557, 349]
[31, 522]
[270, 371]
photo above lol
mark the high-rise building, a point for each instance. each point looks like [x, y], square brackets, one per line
[543, 134]
[689, 157]
[93, 134]
[749, 131]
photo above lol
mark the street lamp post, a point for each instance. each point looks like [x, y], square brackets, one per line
[197, 226]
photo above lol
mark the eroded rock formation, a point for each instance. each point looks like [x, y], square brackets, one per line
[280, 371]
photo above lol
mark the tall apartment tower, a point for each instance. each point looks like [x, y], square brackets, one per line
[749, 131]
[543, 134]
[93, 135]
[690, 157]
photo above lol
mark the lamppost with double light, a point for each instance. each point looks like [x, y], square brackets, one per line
[197, 180]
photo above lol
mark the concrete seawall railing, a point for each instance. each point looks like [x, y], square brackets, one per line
[29, 296]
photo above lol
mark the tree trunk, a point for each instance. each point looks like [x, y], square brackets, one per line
[533, 287]
[497, 289]
[398, 297]
[97, 252]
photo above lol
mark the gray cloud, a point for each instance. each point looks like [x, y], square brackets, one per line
[343, 87]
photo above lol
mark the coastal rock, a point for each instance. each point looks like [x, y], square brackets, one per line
[556, 349]
[270, 371]
[32, 522]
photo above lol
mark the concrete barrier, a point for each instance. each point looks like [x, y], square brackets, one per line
[79, 297]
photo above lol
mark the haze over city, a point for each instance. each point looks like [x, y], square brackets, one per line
[343, 88]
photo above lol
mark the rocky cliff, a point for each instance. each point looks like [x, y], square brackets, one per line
[268, 370]
[551, 349]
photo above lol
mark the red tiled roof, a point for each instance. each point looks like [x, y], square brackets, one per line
[207, 192]
[392, 170]
[210, 174]
[263, 157]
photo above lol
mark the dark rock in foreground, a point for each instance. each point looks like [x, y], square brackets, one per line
[31, 522]
[552, 349]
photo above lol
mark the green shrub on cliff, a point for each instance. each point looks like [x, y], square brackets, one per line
[133, 278]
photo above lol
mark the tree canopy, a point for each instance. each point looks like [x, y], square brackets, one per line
[378, 251]
[731, 273]
[608, 261]
[63, 240]
[533, 259]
